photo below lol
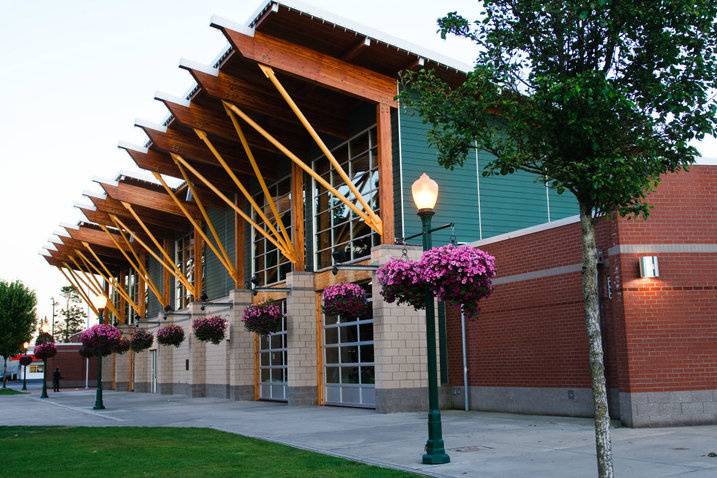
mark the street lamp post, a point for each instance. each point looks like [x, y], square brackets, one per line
[425, 195]
[100, 302]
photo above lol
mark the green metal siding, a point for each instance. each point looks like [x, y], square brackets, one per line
[504, 203]
[217, 282]
[458, 195]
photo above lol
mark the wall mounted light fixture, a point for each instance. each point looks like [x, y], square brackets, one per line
[649, 267]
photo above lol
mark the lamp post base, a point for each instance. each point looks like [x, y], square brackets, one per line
[436, 459]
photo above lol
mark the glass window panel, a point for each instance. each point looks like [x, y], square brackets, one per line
[265, 375]
[368, 375]
[276, 340]
[332, 336]
[349, 355]
[277, 358]
[265, 356]
[366, 332]
[349, 333]
[359, 145]
[264, 342]
[332, 355]
[332, 375]
[366, 353]
[349, 375]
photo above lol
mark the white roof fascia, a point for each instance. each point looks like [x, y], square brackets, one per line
[142, 123]
[195, 65]
[132, 146]
[162, 96]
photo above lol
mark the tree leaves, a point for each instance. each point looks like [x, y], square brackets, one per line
[17, 316]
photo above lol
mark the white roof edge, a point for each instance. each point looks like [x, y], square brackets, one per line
[132, 146]
[59, 233]
[143, 123]
[367, 31]
[98, 180]
[69, 226]
[139, 174]
[706, 161]
[91, 207]
[94, 194]
[195, 65]
[162, 96]
[220, 22]
[527, 230]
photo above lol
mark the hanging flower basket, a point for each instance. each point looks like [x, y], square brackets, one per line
[86, 352]
[263, 319]
[402, 282]
[45, 350]
[25, 360]
[459, 274]
[210, 329]
[170, 335]
[122, 346]
[101, 338]
[344, 299]
[141, 340]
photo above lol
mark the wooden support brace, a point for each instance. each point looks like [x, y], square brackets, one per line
[88, 279]
[100, 289]
[115, 283]
[320, 143]
[79, 290]
[221, 255]
[363, 215]
[137, 266]
[288, 254]
[173, 267]
[284, 236]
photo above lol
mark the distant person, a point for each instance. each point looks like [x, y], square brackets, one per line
[56, 380]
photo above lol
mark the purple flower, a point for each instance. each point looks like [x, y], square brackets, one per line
[45, 350]
[101, 338]
[209, 329]
[25, 360]
[263, 319]
[401, 281]
[141, 340]
[170, 335]
[344, 299]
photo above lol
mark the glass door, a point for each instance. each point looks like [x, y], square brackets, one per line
[153, 371]
[272, 362]
[348, 358]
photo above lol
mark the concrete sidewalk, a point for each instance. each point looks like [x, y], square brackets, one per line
[480, 444]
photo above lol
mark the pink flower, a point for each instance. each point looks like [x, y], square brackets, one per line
[101, 338]
[171, 334]
[45, 350]
[344, 299]
[401, 281]
[209, 329]
[263, 319]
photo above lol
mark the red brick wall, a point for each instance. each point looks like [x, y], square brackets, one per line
[72, 366]
[660, 334]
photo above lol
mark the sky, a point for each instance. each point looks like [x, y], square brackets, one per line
[74, 75]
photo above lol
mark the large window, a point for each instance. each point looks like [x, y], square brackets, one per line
[131, 286]
[270, 265]
[272, 362]
[338, 230]
[184, 259]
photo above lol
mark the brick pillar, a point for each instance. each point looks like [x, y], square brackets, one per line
[301, 339]
[165, 365]
[399, 335]
[240, 351]
[142, 367]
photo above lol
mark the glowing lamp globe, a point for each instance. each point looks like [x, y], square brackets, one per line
[99, 301]
[425, 193]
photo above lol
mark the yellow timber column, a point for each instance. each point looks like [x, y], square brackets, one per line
[301, 339]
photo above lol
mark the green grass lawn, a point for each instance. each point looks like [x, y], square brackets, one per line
[137, 451]
[9, 391]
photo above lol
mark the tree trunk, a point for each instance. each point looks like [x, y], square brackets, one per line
[4, 372]
[603, 444]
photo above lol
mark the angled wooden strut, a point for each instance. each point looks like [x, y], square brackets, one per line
[79, 290]
[116, 284]
[220, 253]
[284, 237]
[89, 277]
[320, 143]
[376, 226]
[165, 261]
[287, 253]
[136, 265]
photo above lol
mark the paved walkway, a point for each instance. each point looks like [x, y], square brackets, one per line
[480, 444]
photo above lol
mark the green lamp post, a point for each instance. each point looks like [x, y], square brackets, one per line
[100, 302]
[425, 195]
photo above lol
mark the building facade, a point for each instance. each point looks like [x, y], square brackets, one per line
[295, 163]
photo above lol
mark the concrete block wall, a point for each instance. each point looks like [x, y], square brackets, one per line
[399, 345]
[301, 339]
[239, 353]
[122, 369]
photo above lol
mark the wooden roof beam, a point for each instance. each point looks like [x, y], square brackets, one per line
[148, 198]
[306, 63]
[255, 99]
[152, 218]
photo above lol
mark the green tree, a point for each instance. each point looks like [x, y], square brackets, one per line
[73, 315]
[17, 319]
[599, 98]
